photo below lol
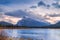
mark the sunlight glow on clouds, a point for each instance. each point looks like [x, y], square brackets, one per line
[41, 12]
[9, 19]
[38, 13]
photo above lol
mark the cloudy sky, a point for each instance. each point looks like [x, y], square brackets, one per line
[18, 3]
[6, 2]
[22, 3]
[13, 5]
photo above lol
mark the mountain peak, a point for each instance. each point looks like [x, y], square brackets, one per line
[30, 22]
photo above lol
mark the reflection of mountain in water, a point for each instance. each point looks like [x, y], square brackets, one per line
[28, 33]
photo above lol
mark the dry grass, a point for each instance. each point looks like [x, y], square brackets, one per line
[6, 38]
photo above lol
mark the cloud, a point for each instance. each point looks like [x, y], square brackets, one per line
[46, 14]
[41, 3]
[1, 10]
[54, 15]
[9, 19]
[33, 7]
[17, 13]
[56, 5]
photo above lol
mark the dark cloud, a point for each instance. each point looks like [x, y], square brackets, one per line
[56, 5]
[41, 3]
[18, 13]
[33, 7]
[55, 15]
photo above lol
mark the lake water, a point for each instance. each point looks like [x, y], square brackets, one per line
[35, 34]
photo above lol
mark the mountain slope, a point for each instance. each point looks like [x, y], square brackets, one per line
[57, 25]
[2, 23]
[31, 23]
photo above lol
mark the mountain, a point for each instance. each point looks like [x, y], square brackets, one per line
[34, 15]
[57, 25]
[31, 23]
[2, 23]
[37, 16]
[26, 14]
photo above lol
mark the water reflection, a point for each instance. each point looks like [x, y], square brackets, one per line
[31, 34]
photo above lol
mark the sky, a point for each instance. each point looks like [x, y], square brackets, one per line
[13, 5]
[15, 1]
[17, 4]
[21, 4]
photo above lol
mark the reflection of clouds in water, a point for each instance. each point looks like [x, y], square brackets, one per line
[46, 34]
[14, 33]
[28, 33]
[54, 34]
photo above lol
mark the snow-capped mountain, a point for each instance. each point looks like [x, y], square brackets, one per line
[31, 23]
